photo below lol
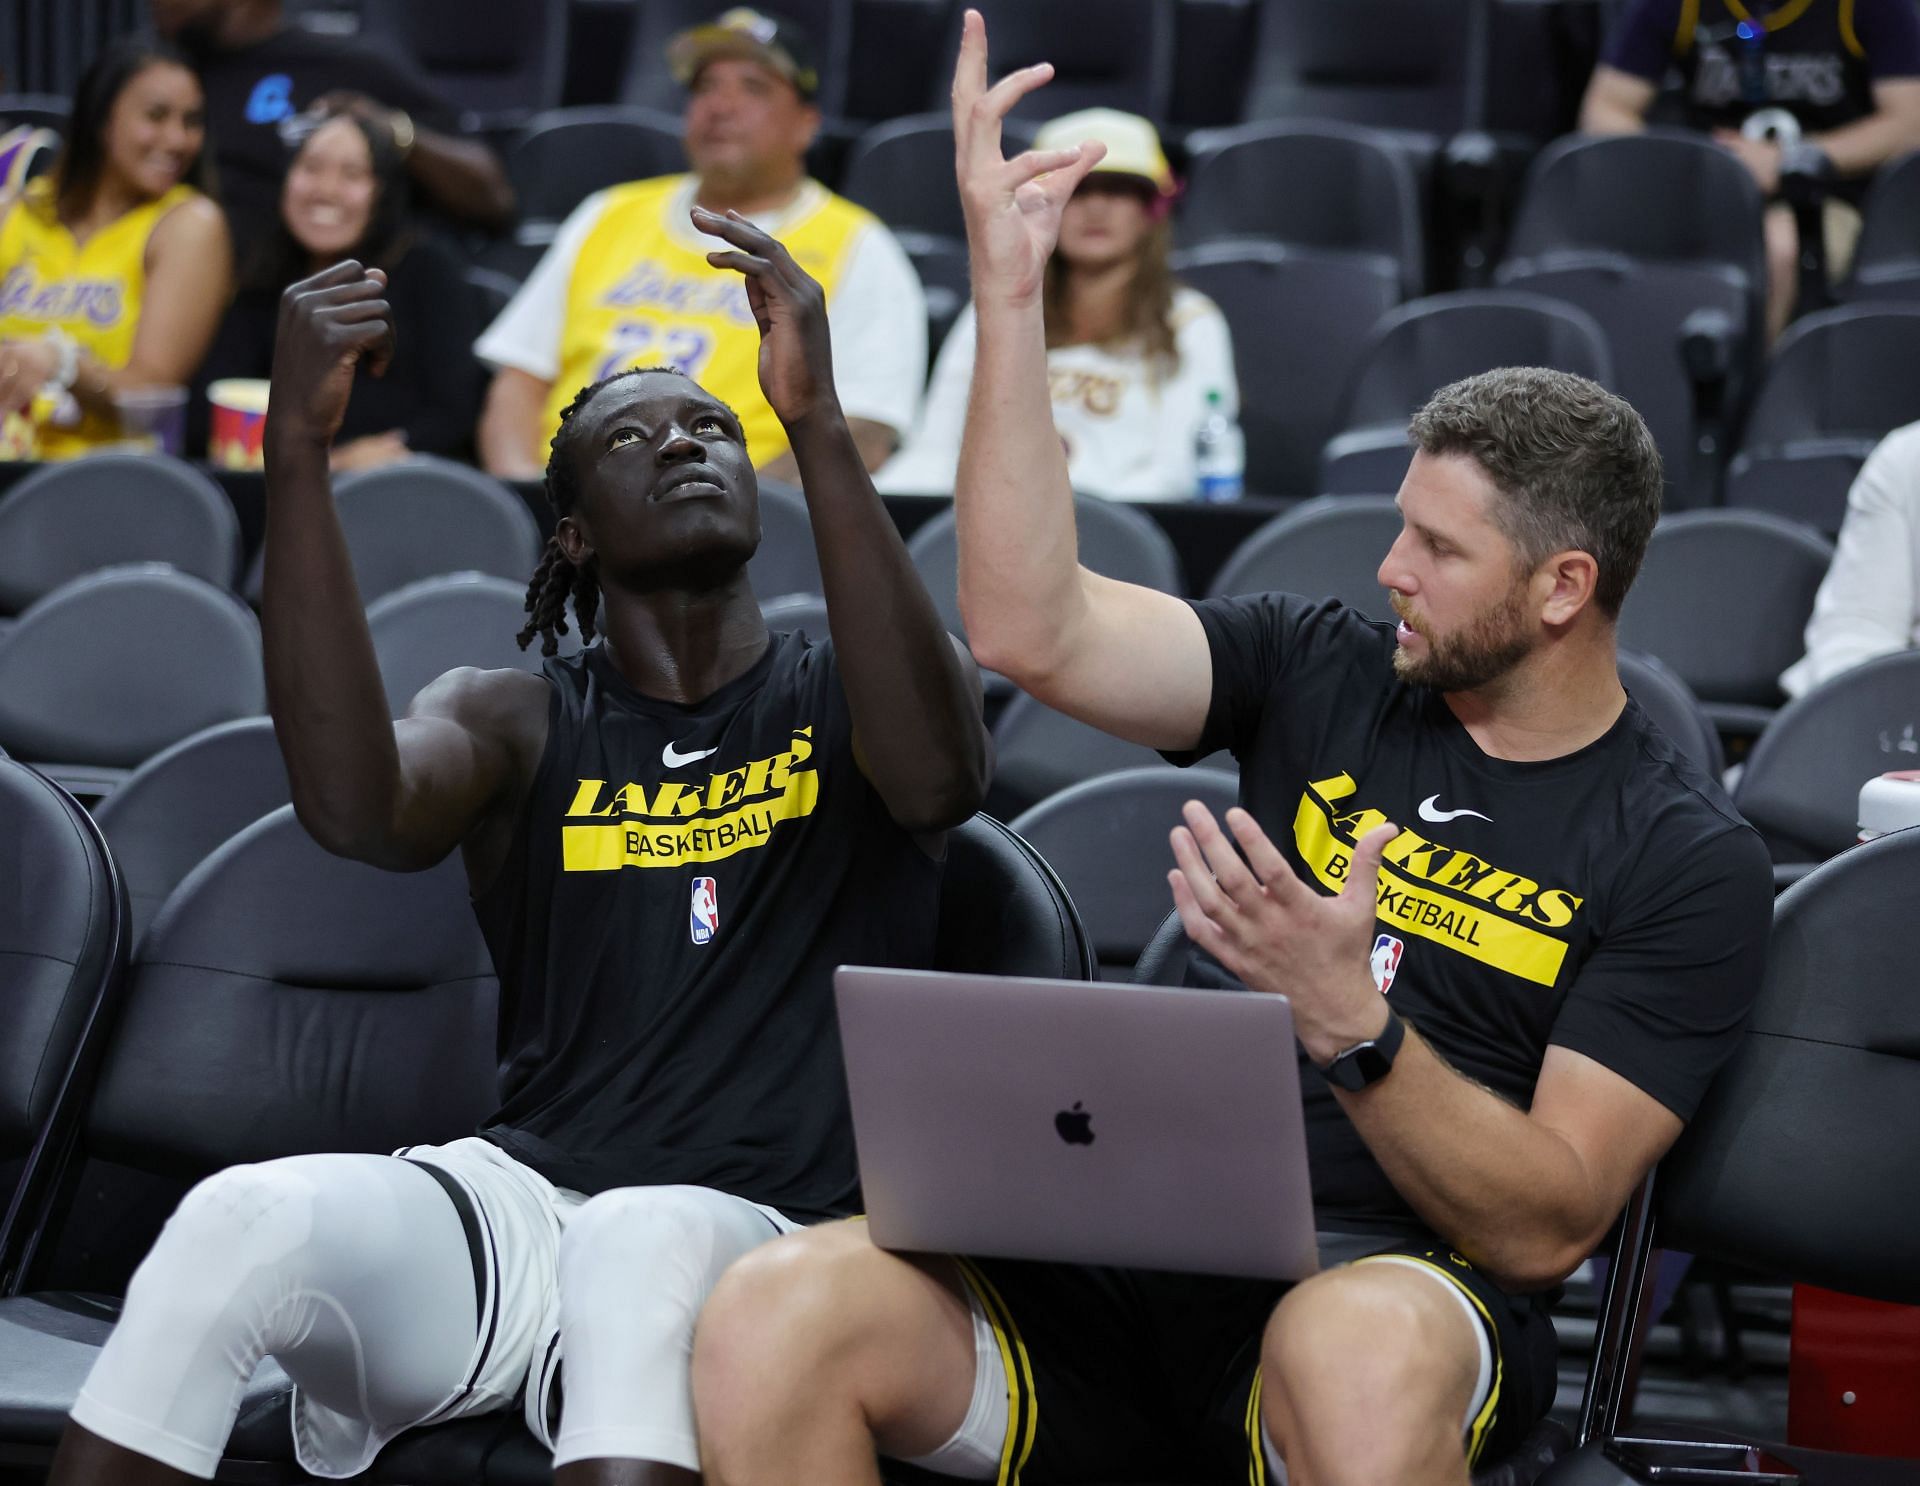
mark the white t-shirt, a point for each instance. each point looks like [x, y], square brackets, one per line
[877, 314]
[1869, 602]
[1129, 433]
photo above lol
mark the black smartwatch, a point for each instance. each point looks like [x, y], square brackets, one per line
[1354, 1068]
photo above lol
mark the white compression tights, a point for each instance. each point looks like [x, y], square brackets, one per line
[353, 1273]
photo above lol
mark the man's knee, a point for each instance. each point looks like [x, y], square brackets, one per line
[795, 1300]
[235, 1232]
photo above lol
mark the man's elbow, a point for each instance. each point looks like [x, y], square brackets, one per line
[950, 801]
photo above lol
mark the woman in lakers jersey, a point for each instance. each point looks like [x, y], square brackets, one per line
[114, 267]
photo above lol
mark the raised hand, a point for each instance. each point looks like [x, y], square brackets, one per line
[796, 357]
[1012, 206]
[329, 324]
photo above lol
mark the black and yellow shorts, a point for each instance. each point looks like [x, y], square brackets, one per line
[1130, 1375]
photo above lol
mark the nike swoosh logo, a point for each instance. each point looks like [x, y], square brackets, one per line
[1430, 810]
[674, 760]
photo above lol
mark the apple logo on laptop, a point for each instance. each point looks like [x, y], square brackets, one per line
[1075, 1125]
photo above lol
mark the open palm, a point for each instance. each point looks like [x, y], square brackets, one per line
[1012, 206]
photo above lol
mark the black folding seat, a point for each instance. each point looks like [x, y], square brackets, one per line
[1839, 381]
[1306, 183]
[498, 60]
[650, 82]
[1331, 547]
[1394, 64]
[1886, 260]
[1105, 53]
[1300, 318]
[1421, 347]
[1672, 705]
[562, 156]
[1037, 752]
[785, 563]
[422, 631]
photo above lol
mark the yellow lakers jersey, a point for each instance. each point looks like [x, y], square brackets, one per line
[643, 294]
[93, 291]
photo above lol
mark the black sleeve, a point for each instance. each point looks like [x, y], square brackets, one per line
[1889, 32]
[1255, 640]
[1663, 998]
[1643, 41]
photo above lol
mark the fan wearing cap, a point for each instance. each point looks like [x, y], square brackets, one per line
[627, 282]
[1131, 353]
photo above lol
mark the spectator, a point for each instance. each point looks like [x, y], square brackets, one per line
[346, 197]
[1869, 603]
[259, 71]
[114, 266]
[627, 282]
[1131, 353]
[1824, 88]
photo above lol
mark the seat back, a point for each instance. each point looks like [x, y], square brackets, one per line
[1844, 372]
[1676, 710]
[1038, 752]
[1886, 260]
[1723, 598]
[1003, 910]
[107, 509]
[1308, 183]
[288, 1001]
[426, 629]
[1105, 53]
[1291, 383]
[649, 80]
[902, 172]
[804, 612]
[785, 563]
[562, 156]
[1331, 547]
[1396, 64]
[1107, 838]
[63, 954]
[1116, 541]
[502, 59]
[112, 667]
[1801, 784]
[1805, 481]
[184, 801]
[1799, 1162]
[427, 516]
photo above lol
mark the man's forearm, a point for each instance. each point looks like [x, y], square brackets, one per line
[1866, 144]
[1511, 1195]
[463, 177]
[915, 705]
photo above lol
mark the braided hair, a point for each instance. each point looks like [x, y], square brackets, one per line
[556, 577]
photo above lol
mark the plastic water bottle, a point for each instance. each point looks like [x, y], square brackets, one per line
[1219, 455]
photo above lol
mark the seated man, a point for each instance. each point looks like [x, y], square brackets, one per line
[1576, 921]
[1829, 88]
[1869, 602]
[625, 283]
[672, 839]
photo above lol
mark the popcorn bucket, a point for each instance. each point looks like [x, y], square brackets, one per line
[239, 406]
[153, 418]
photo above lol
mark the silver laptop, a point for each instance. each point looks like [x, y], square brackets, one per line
[1091, 1122]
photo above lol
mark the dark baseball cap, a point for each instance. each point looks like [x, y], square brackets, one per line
[745, 32]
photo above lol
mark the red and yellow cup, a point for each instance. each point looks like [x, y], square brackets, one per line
[239, 408]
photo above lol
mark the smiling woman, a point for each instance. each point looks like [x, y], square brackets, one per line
[115, 266]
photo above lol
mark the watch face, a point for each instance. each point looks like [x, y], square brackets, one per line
[1358, 1066]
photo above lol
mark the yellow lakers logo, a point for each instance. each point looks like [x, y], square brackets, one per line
[1494, 916]
[629, 825]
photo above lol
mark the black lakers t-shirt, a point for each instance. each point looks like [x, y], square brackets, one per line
[681, 885]
[1610, 901]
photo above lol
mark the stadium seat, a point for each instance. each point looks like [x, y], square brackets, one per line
[892, 54]
[1801, 784]
[109, 669]
[1394, 64]
[1807, 480]
[1037, 752]
[1115, 541]
[786, 562]
[1677, 711]
[186, 800]
[1723, 598]
[1839, 380]
[1657, 236]
[1107, 838]
[427, 516]
[804, 612]
[42, 110]
[1421, 347]
[1326, 548]
[236, 1007]
[1290, 384]
[428, 628]
[1788, 1167]
[1886, 260]
[63, 956]
[828, 24]
[1212, 58]
[1105, 53]
[498, 61]
[1308, 184]
[86, 514]
[563, 156]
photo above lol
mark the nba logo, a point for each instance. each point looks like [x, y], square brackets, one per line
[1385, 961]
[703, 921]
